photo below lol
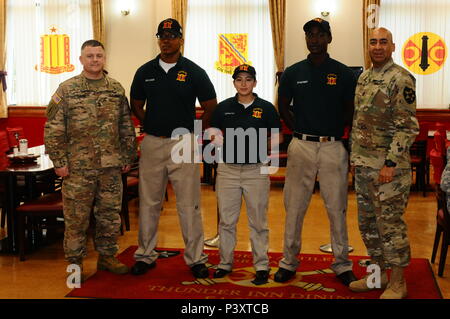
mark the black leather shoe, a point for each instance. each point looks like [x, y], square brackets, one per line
[220, 273]
[283, 275]
[347, 277]
[141, 267]
[200, 271]
[261, 277]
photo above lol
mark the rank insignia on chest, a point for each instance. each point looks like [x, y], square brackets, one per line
[257, 113]
[331, 79]
[181, 76]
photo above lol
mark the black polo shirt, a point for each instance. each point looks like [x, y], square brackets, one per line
[230, 114]
[319, 94]
[170, 96]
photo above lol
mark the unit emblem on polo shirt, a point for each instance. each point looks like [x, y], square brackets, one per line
[257, 113]
[331, 79]
[181, 76]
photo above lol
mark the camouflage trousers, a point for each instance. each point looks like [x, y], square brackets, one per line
[380, 211]
[98, 191]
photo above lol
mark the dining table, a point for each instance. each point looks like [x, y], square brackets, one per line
[22, 172]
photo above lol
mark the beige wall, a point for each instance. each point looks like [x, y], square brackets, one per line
[130, 40]
[346, 27]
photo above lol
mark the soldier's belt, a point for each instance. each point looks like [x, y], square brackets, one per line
[315, 138]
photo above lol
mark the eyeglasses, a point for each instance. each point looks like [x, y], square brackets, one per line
[167, 36]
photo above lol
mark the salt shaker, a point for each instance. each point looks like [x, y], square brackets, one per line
[23, 146]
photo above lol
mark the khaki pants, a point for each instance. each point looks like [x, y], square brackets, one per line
[156, 167]
[329, 161]
[233, 182]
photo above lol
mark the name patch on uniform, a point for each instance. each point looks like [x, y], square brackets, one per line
[409, 94]
[331, 79]
[149, 80]
[302, 82]
[257, 113]
[229, 113]
[181, 76]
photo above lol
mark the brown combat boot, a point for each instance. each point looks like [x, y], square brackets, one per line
[361, 285]
[111, 264]
[396, 288]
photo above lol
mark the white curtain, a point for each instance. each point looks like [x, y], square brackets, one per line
[414, 23]
[43, 40]
[244, 28]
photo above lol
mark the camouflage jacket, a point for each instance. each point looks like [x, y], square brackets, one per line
[384, 123]
[89, 127]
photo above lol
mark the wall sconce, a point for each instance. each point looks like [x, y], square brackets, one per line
[125, 7]
[325, 7]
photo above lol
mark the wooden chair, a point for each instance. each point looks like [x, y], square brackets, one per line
[419, 165]
[4, 147]
[35, 215]
[14, 135]
[420, 160]
[130, 184]
[442, 228]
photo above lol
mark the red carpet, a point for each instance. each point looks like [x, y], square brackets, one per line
[172, 279]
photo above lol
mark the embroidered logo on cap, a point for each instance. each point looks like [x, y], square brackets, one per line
[167, 25]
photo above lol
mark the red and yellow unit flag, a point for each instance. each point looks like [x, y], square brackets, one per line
[55, 53]
[233, 51]
[424, 53]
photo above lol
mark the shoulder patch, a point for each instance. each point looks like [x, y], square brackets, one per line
[409, 94]
[56, 98]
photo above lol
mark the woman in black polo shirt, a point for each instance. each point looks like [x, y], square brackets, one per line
[245, 122]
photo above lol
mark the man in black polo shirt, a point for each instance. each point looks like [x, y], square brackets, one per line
[322, 91]
[169, 86]
[246, 122]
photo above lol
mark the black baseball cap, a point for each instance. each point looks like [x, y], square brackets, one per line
[321, 23]
[244, 68]
[170, 25]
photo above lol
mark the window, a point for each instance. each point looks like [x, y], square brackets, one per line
[43, 40]
[223, 34]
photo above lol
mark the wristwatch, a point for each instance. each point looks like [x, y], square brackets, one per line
[389, 163]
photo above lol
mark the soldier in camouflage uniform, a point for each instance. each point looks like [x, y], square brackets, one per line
[90, 138]
[384, 127]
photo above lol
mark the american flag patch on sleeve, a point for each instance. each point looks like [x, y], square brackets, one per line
[56, 98]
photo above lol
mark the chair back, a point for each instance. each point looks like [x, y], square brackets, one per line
[4, 144]
[419, 150]
[14, 135]
[438, 156]
[442, 199]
